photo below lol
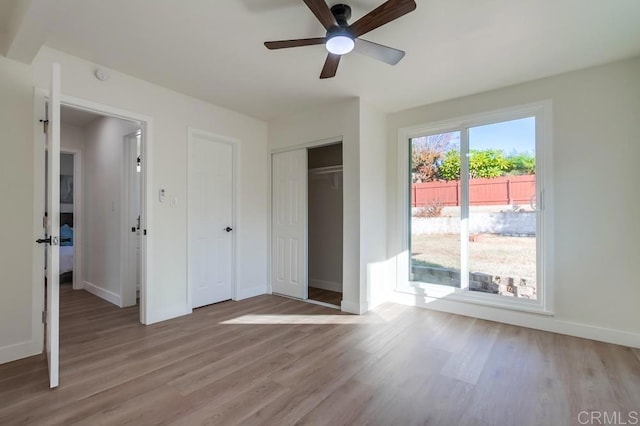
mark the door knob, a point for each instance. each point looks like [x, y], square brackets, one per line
[44, 240]
[228, 229]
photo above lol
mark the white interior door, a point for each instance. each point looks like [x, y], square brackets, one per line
[53, 227]
[289, 224]
[131, 255]
[210, 219]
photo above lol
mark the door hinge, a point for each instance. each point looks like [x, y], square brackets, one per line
[44, 317]
[45, 125]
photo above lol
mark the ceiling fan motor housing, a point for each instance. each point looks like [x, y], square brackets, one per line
[342, 13]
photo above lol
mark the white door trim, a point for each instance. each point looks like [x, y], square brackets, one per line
[192, 133]
[146, 285]
[312, 144]
[77, 214]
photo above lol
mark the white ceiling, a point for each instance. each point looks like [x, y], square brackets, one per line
[213, 49]
[7, 8]
[76, 117]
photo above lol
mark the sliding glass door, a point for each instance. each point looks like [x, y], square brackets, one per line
[474, 218]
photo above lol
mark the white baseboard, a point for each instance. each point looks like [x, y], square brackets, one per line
[523, 319]
[107, 295]
[325, 285]
[354, 308]
[167, 314]
[246, 293]
[377, 301]
[19, 350]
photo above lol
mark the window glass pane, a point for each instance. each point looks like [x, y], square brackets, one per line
[435, 210]
[502, 217]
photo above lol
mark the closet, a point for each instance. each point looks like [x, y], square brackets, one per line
[307, 224]
[325, 223]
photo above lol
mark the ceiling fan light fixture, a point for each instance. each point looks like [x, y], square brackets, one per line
[340, 43]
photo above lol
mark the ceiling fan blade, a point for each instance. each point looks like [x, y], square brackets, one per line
[387, 12]
[322, 12]
[283, 44]
[330, 66]
[386, 54]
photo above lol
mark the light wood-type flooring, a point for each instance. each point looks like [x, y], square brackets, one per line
[326, 296]
[276, 361]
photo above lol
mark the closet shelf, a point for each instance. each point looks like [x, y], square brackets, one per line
[325, 170]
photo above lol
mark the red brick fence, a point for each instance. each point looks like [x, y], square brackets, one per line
[500, 191]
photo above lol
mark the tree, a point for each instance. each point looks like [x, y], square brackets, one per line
[427, 153]
[488, 163]
[450, 167]
[522, 164]
[424, 164]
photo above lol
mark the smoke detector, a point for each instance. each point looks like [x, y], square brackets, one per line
[102, 74]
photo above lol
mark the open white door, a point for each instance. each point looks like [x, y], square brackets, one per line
[131, 255]
[289, 226]
[53, 226]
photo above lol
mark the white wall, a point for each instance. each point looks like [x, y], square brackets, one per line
[71, 136]
[172, 113]
[66, 164]
[596, 197]
[333, 121]
[102, 205]
[19, 326]
[375, 287]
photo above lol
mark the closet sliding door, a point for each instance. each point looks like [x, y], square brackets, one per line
[289, 224]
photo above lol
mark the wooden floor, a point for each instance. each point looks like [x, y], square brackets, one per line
[326, 296]
[276, 361]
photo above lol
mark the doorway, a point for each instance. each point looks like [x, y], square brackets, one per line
[70, 258]
[98, 229]
[307, 224]
[325, 206]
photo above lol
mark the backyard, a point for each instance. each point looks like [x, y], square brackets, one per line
[491, 254]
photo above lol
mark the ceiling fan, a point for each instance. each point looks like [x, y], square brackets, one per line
[342, 38]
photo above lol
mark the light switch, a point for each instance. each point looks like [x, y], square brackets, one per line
[174, 201]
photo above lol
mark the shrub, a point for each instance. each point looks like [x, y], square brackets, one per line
[433, 209]
[522, 164]
[424, 164]
[450, 167]
[487, 163]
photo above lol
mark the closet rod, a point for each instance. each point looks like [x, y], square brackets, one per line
[325, 170]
